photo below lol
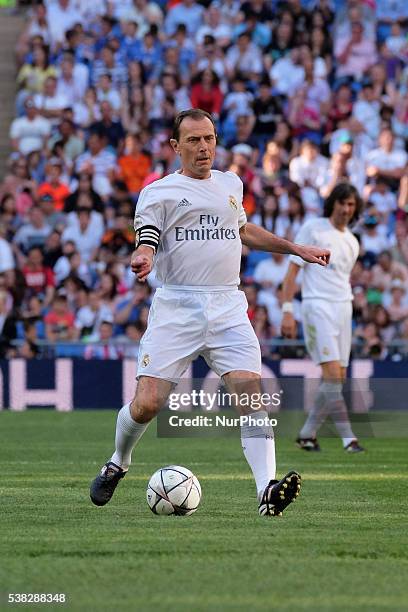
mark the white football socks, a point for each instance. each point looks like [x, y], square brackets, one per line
[128, 433]
[258, 445]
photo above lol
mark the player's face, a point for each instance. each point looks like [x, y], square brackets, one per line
[196, 147]
[343, 211]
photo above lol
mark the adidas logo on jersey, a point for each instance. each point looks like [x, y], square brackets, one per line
[184, 202]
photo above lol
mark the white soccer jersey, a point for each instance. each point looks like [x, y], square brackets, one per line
[332, 282]
[199, 221]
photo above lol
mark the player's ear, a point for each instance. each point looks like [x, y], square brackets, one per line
[174, 143]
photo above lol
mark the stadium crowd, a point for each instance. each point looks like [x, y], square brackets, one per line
[304, 94]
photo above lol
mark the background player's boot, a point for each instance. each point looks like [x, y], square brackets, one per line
[279, 494]
[308, 444]
[354, 447]
[104, 485]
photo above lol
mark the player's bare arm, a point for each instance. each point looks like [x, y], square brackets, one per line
[288, 325]
[256, 237]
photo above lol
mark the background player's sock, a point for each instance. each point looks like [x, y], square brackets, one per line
[317, 415]
[128, 432]
[338, 410]
[258, 445]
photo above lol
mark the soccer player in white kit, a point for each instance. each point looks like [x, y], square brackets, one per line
[191, 226]
[327, 311]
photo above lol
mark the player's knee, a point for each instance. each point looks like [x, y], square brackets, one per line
[144, 409]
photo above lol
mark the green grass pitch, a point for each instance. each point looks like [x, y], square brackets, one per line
[342, 546]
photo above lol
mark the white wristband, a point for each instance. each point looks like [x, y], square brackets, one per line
[287, 307]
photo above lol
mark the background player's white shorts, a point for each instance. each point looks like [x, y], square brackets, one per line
[183, 324]
[327, 330]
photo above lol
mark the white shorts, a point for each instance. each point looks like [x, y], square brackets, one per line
[327, 330]
[185, 323]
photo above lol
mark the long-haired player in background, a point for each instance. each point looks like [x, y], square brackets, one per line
[327, 311]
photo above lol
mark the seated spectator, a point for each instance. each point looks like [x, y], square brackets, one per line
[128, 309]
[134, 165]
[8, 331]
[83, 235]
[130, 341]
[84, 188]
[32, 74]
[241, 165]
[268, 110]
[105, 349]
[106, 93]
[206, 92]
[59, 320]
[270, 272]
[70, 85]
[119, 239]
[7, 264]
[386, 270]
[99, 162]
[354, 53]
[32, 233]
[373, 238]
[66, 136]
[287, 74]
[215, 26]
[244, 57]
[50, 103]
[30, 132]
[53, 186]
[398, 306]
[108, 127]
[188, 12]
[386, 161]
[91, 315]
[52, 217]
[309, 168]
[39, 280]
[263, 329]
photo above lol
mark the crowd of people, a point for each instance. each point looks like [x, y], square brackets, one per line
[304, 94]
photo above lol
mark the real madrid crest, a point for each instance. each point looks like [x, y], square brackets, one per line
[145, 360]
[232, 202]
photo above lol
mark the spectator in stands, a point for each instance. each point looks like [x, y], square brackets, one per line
[49, 102]
[105, 349]
[86, 240]
[309, 168]
[7, 264]
[32, 233]
[206, 92]
[99, 162]
[59, 320]
[109, 127]
[30, 132]
[188, 12]
[134, 165]
[53, 186]
[8, 331]
[39, 280]
[398, 307]
[355, 53]
[386, 161]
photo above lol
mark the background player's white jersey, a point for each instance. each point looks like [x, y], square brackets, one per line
[331, 283]
[199, 222]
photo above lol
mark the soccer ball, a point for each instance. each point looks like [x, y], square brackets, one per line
[173, 490]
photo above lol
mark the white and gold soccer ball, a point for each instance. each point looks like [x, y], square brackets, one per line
[173, 490]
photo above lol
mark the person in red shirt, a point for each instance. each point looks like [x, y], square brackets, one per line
[59, 321]
[53, 185]
[206, 93]
[39, 279]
